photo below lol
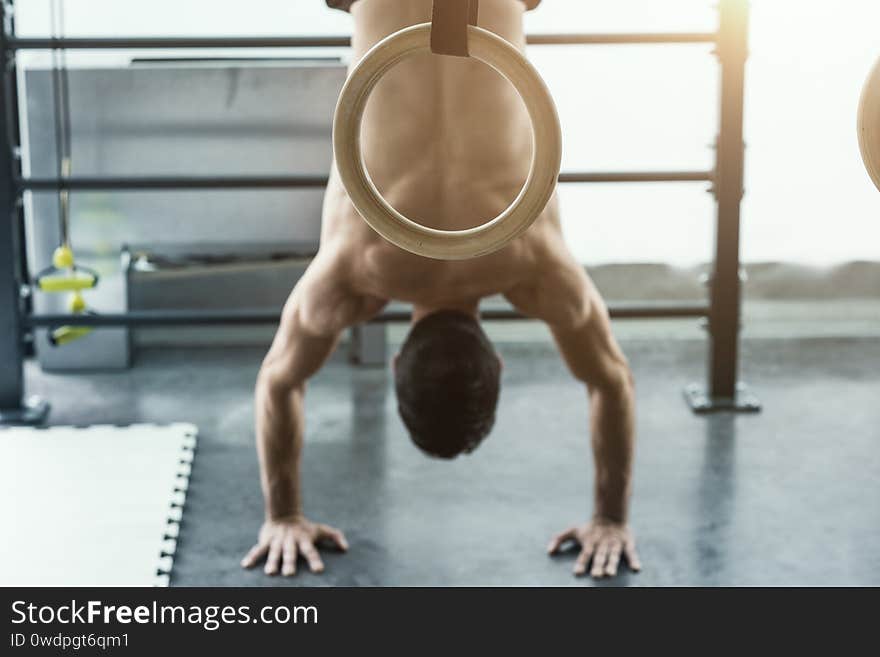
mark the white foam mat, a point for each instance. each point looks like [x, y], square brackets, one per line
[92, 506]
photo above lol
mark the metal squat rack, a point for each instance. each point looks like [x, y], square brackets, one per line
[722, 390]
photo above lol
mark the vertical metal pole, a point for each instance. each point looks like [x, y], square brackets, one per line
[14, 408]
[724, 316]
[724, 391]
[11, 378]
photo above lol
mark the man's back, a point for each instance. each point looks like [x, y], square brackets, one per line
[446, 139]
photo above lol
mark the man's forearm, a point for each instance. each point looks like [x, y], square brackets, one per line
[613, 441]
[279, 443]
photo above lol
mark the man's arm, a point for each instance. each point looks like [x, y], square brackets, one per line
[594, 358]
[562, 295]
[318, 310]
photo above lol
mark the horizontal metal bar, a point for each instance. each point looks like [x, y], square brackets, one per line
[636, 176]
[654, 310]
[206, 318]
[285, 182]
[172, 43]
[659, 310]
[620, 38]
[171, 182]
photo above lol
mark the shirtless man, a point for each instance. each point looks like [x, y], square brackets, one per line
[448, 143]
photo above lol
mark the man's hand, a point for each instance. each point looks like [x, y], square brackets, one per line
[605, 542]
[282, 540]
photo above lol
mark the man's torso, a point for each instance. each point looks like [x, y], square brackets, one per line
[448, 143]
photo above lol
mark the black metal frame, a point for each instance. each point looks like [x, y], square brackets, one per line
[202, 318]
[286, 182]
[723, 391]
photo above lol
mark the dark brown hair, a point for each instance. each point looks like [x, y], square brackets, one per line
[447, 377]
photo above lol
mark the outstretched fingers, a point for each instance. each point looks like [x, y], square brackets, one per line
[599, 559]
[613, 558]
[288, 567]
[632, 557]
[580, 564]
[272, 561]
[603, 545]
[557, 541]
[254, 555]
[336, 537]
[310, 554]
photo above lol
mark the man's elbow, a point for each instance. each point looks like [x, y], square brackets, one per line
[614, 379]
[275, 382]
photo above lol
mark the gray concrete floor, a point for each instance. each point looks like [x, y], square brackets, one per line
[789, 496]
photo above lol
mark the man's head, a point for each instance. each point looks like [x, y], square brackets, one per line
[447, 376]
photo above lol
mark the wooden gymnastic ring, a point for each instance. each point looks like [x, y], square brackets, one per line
[869, 124]
[388, 222]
